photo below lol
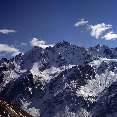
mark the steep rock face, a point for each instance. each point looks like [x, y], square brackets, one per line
[106, 104]
[18, 87]
[61, 92]
[62, 81]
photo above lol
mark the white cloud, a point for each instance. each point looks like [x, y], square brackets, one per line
[4, 48]
[110, 36]
[39, 43]
[7, 31]
[81, 22]
[99, 29]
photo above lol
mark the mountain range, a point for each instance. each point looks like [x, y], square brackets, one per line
[62, 81]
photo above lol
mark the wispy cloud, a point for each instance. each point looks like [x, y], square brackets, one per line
[7, 31]
[81, 22]
[98, 31]
[39, 43]
[4, 48]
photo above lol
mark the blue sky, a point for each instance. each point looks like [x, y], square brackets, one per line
[54, 20]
